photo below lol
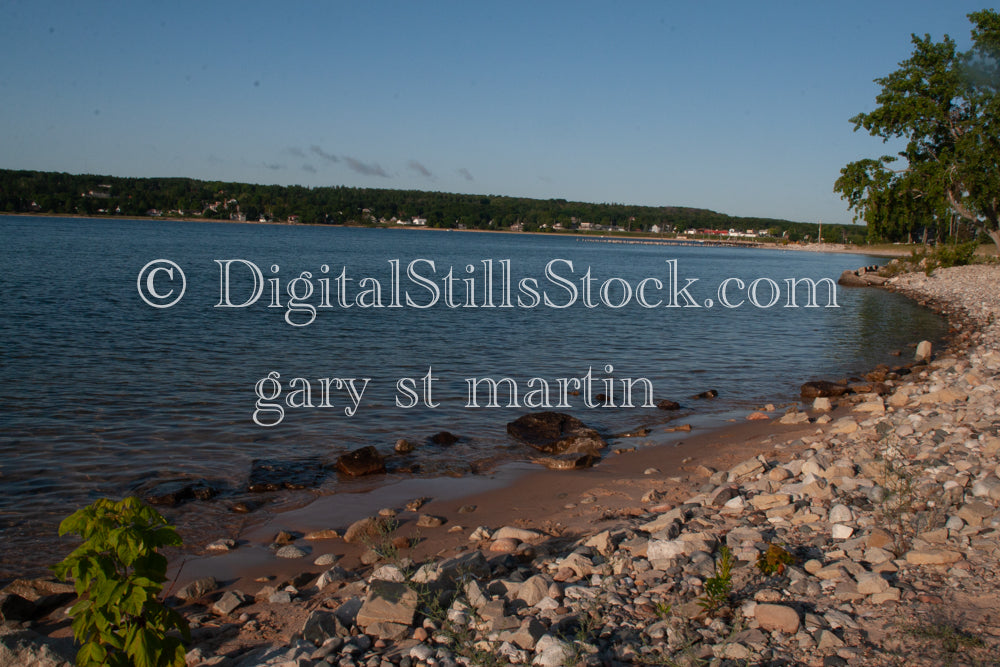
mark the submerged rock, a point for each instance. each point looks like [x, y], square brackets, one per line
[277, 474]
[360, 462]
[173, 492]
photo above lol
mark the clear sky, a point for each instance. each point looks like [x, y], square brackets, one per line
[741, 107]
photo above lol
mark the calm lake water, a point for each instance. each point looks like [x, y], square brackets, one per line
[104, 395]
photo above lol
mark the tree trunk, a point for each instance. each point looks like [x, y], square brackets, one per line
[995, 235]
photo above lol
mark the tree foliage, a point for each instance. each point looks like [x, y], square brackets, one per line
[946, 105]
[47, 192]
[118, 574]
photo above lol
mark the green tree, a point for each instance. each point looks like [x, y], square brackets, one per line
[946, 105]
[118, 574]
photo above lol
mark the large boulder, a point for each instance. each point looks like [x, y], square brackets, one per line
[556, 433]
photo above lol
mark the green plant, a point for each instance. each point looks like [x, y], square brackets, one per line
[720, 584]
[774, 560]
[118, 575]
[663, 610]
[380, 540]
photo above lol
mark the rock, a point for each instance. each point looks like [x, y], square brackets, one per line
[822, 404]
[443, 438]
[290, 551]
[403, 446]
[321, 626]
[27, 648]
[711, 393]
[388, 602]
[794, 417]
[365, 529]
[923, 351]
[841, 532]
[932, 557]
[15, 608]
[229, 602]
[325, 534]
[746, 470]
[325, 560]
[197, 589]
[844, 425]
[430, 521]
[277, 474]
[176, 491]
[556, 433]
[223, 544]
[757, 416]
[777, 617]
[519, 534]
[360, 462]
[567, 461]
[870, 584]
[823, 388]
[766, 501]
[668, 405]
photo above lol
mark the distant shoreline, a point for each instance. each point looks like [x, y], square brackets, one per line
[833, 248]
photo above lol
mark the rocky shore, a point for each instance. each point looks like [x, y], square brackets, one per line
[864, 531]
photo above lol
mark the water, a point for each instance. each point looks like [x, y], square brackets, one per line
[104, 395]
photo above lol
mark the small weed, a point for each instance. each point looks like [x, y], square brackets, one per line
[663, 610]
[720, 584]
[951, 638]
[774, 560]
[380, 540]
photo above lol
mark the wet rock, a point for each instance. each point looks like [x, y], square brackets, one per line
[444, 439]
[667, 404]
[361, 462]
[556, 433]
[711, 393]
[277, 474]
[923, 352]
[173, 492]
[403, 446]
[823, 388]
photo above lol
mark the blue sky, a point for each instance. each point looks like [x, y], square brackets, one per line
[739, 107]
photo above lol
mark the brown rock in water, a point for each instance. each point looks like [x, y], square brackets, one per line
[757, 416]
[711, 393]
[556, 433]
[824, 388]
[666, 404]
[364, 461]
[444, 438]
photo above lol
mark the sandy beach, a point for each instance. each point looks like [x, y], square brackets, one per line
[610, 565]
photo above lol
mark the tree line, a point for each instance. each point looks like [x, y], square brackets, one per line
[95, 195]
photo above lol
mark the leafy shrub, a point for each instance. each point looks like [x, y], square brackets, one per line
[118, 574]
